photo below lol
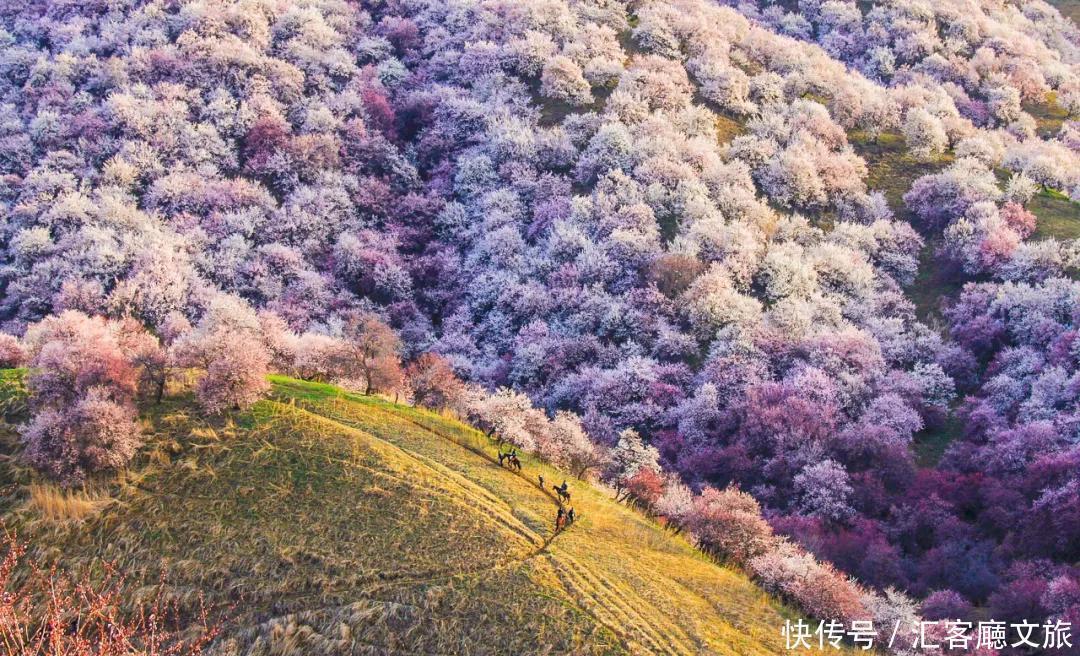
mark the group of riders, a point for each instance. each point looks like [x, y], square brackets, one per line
[565, 515]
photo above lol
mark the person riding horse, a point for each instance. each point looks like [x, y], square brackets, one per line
[562, 491]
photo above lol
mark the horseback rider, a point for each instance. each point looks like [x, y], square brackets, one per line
[560, 517]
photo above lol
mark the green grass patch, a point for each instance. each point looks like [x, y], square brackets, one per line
[1049, 115]
[1058, 216]
[554, 112]
[930, 444]
[890, 167]
[936, 280]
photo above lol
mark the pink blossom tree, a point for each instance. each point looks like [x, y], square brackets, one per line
[728, 523]
[370, 354]
[12, 353]
[236, 376]
[432, 382]
[228, 344]
[82, 394]
[563, 80]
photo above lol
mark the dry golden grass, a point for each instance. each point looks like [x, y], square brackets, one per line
[651, 589]
[55, 504]
[339, 524]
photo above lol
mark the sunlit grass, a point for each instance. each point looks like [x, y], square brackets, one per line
[333, 520]
[931, 444]
[58, 505]
[727, 128]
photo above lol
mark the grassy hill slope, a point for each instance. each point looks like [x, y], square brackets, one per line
[346, 524]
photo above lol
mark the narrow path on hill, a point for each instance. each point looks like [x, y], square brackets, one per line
[475, 496]
[369, 586]
[547, 539]
[586, 591]
[480, 452]
[590, 591]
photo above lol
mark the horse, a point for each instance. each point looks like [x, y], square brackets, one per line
[502, 457]
[514, 462]
[562, 492]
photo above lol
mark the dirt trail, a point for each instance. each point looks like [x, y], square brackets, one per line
[587, 591]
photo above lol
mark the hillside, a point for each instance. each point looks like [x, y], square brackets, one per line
[345, 524]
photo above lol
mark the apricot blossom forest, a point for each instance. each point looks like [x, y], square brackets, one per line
[640, 231]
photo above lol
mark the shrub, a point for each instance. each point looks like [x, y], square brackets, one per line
[82, 390]
[93, 435]
[47, 611]
[433, 382]
[816, 587]
[12, 353]
[728, 523]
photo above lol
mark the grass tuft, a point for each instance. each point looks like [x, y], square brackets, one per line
[58, 505]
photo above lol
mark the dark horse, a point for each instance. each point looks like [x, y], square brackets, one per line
[562, 492]
[514, 462]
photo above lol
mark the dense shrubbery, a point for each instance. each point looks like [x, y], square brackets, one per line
[537, 194]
